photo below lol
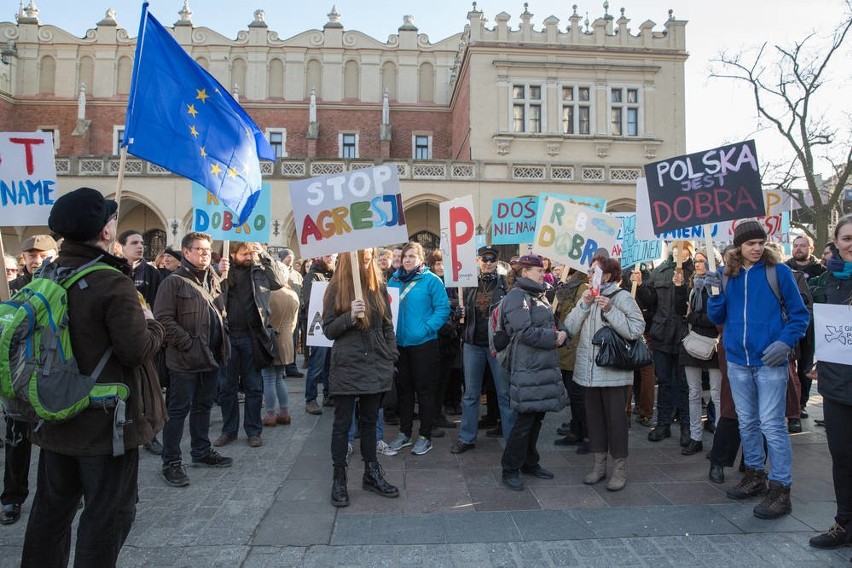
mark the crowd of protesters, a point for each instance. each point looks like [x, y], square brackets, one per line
[228, 329]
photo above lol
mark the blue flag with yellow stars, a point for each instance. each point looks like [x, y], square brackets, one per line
[180, 117]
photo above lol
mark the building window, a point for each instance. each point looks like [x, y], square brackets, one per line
[576, 110]
[624, 111]
[54, 133]
[422, 144]
[117, 139]
[347, 142]
[278, 140]
[526, 108]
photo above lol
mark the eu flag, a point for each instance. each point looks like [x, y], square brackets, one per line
[180, 117]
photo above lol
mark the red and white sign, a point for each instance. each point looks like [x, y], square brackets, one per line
[458, 242]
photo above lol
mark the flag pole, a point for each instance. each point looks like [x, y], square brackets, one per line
[356, 278]
[5, 294]
[122, 162]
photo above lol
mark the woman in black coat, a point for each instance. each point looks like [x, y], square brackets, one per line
[361, 367]
[535, 380]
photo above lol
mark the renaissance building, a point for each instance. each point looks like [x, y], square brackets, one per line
[506, 107]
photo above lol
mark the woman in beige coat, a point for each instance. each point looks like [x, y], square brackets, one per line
[284, 308]
[606, 388]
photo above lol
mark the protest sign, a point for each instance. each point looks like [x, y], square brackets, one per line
[779, 201]
[633, 250]
[721, 184]
[316, 337]
[211, 216]
[27, 178]
[571, 234]
[457, 242]
[348, 211]
[513, 220]
[833, 333]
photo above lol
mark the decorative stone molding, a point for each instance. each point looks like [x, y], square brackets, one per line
[504, 145]
[385, 132]
[602, 149]
[554, 147]
[313, 130]
[651, 150]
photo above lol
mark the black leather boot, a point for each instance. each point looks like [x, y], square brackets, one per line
[339, 494]
[374, 480]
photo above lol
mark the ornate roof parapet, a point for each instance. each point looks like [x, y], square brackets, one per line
[333, 19]
[604, 31]
[28, 15]
[109, 19]
[185, 15]
[259, 20]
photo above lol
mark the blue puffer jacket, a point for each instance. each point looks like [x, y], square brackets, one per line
[751, 314]
[423, 310]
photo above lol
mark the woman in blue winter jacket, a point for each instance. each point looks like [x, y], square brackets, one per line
[423, 309]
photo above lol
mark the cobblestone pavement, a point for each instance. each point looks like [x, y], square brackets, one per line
[271, 508]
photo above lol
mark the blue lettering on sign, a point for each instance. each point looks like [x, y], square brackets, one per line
[26, 192]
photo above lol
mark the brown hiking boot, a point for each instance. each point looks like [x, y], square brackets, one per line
[776, 503]
[751, 485]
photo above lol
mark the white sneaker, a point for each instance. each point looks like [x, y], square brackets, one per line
[384, 449]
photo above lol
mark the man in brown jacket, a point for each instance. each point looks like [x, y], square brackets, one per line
[191, 307]
[76, 458]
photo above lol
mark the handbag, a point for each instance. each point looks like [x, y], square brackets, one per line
[620, 353]
[699, 346]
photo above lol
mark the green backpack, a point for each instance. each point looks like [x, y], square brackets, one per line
[39, 378]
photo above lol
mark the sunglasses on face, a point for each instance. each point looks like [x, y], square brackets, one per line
[489, 259]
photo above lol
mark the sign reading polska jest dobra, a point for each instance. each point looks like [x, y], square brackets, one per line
[721, 184]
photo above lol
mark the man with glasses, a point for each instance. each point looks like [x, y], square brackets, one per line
[191, 307]
[478, 304]
[18, 449]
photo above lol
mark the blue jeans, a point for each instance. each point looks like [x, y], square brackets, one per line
[318, 363]
[380, 426]
[241, 364]
[760, 395]
[672, 392]
[274, 388]
[193, 394]
[475, 359]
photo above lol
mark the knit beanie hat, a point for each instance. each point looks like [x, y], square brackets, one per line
[748, 230]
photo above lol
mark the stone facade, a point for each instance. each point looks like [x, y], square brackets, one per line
[497, 111]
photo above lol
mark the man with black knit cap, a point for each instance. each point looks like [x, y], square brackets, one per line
[760, 333]
[478, 304]
[77, 458]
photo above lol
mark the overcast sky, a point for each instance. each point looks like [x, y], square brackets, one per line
[717, 111]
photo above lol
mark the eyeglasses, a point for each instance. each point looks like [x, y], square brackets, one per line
[489, 259]
[11, 271]
[201, 250]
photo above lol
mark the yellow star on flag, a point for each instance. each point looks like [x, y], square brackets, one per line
[202, 95]
[215, 169]
[203, 152]
[193, 131]
[232, 173]
[191, 110]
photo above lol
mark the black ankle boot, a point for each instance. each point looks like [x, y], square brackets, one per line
[339, 494]
[374, 480]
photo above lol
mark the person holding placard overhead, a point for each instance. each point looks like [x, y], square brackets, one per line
[835, 287]
[423, 309]
[760, 333]
[361, 367]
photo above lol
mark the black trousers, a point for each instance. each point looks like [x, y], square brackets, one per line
[368, 414]
[109, 487]
[577, 401]
[726, 442]
[18, 451]
[838, 430]
[521, 447]
[606, 420]
[418, 369]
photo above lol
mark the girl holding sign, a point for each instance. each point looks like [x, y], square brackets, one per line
[362, 362]
[835, 287]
